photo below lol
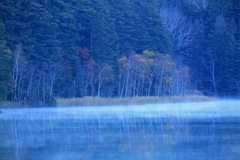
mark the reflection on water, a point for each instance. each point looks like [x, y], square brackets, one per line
[126, 136]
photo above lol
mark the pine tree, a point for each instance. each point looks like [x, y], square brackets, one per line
[156, 37]
[195, 61]
[44, 32]
[216, 8]
[66, 28]
[222, 44]
[5, 65]
[125, 21]
[104, 39]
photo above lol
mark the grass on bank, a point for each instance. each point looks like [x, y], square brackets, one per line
[98, 101]
[8, 104]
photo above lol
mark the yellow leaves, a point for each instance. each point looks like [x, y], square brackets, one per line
[137, 57]
[147, 65]
[122, 60]
[169, 79]
[146, 53]
[151, 61]
[149, 57]
[138, 61]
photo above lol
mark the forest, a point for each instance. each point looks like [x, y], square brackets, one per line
[118, 48]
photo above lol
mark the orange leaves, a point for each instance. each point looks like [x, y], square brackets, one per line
[148, 54]
[138, 60]
[85, 57]
[123, 62]
[145, 63]
[84, 52]
[152, 73]
[169, 79]
[68, 67]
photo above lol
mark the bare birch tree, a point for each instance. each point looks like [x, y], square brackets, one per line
[181, 29]
[104, 73]
[198, 5]
[19, 67]
[210, 67]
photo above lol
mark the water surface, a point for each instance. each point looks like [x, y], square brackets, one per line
[206, 131]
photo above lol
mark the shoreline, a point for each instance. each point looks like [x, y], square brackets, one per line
[100, 101]
[208, 109]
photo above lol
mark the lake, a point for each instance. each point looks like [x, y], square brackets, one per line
[171, 131]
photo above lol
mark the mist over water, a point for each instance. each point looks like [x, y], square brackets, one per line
[200, 109]
[199, 130]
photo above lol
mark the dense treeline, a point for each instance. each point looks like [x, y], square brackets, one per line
[109, 48]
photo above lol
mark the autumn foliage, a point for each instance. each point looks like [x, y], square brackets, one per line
[85, 56]
[152, 74]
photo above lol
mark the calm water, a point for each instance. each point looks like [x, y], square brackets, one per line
[206, 131]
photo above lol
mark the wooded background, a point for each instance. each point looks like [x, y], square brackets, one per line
[118, 48]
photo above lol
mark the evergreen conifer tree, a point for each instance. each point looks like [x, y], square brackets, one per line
[104, 39]
[222, 45]
[5, 65]
[44, 32]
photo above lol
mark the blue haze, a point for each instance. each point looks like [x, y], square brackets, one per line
[181, 131]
